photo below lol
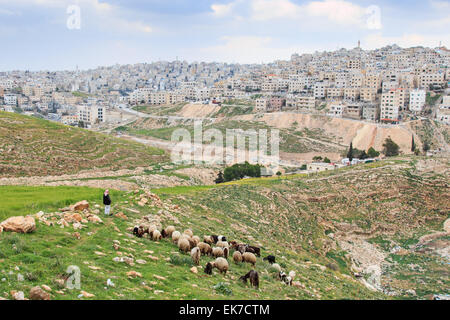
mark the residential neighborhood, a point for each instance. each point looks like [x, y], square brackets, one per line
[389, 85]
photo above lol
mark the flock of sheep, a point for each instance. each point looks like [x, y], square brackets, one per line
[217, 247]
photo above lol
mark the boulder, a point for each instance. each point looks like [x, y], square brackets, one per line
[19, 224]
[80, 206]
[18, 295]
[73, 217]
[95, 219]
[37, 293]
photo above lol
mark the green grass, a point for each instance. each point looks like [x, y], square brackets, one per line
[20, 200]
[276, 214]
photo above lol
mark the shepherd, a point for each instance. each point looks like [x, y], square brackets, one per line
[107, 202]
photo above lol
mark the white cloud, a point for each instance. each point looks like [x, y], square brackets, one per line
[341, 12]
[247, 49]
[221, 10]
[264, 10]
[337, 12]
[440, 5]
[93, 12]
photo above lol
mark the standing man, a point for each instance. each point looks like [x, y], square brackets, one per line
[107, 202]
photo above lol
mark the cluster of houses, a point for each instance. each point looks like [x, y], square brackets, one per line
[386, 85]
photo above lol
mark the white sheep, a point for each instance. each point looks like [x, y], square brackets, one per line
[217, 252]
[195, 255]
[183, 245]
[176, 236]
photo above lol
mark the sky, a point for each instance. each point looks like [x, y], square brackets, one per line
[63, 34]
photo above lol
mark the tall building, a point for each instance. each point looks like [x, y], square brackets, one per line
[417, 100]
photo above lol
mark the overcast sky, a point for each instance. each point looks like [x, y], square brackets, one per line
[36, 35]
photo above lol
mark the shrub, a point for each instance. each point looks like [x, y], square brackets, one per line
[223, 288]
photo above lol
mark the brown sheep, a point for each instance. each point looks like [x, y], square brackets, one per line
[195, 255]
[225, 252]
[217, 252]
[249, 257]
[208, 239]
[254, 278]
[237, 257]
[205, 248]
[183, 245]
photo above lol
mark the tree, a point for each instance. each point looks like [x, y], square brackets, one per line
[413, 145]
[326, 160]
[317, 158]
[279, 173]
[390, 148]
[220, 178]
[372, 153]
[350, 152]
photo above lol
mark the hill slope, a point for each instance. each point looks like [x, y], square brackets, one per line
[383, 220]
[34, 147]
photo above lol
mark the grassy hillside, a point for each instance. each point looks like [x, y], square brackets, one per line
[313, 224]
[35, 147]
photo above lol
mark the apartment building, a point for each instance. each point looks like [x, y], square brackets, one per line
[10, 99]
[351, 94]
[428, 79]
[354, 64]
[305, 103]
[320, 89]
[336, 110]
[334, 93]
[368, 94]
[417, 99]
[91, 114]
[392, 102]
[353, 111]
[262, 105]
[371, 112]
[372, 81]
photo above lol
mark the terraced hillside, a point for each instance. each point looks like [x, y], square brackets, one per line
[34, 147]
[369, 232]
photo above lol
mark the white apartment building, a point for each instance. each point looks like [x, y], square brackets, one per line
[320, 89]
[91, 114]
[417, 100]
[10, 99]
[261, 105]
[336, 110]
[391, 104]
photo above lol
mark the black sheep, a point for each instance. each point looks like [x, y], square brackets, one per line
[253, 276]
[208, 268]
[270, 259]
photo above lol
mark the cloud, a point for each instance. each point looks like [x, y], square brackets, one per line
[221, 10]
[247, 49]
[103, 15]
[440, 5]
[336, 12]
